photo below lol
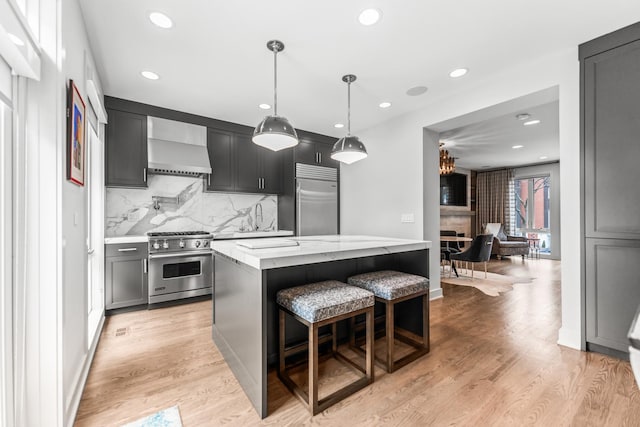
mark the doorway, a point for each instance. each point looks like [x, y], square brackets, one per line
[95, 232]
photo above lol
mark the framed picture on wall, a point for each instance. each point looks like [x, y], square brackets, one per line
[76, 144]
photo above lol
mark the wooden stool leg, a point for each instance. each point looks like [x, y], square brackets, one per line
[281, 340]
[425, 321]
[334, 338]
[390, 335]
[485, 269]
[313, 369]
[352, 332]
[370, 356]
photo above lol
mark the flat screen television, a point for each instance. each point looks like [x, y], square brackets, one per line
[453, 189]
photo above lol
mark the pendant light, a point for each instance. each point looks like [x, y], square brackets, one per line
[275, 132]
[348, 149]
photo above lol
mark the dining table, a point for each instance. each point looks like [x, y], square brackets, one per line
[458, 239]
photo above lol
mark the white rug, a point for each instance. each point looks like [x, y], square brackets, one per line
[493, 285]
[169, 417]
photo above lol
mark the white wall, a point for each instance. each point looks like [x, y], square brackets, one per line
[75, 356]
[50, 304]
[553, 171]
[376, 191]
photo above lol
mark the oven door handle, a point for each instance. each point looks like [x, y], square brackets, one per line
[180, 254]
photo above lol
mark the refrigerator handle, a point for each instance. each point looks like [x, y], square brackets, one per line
[298, 203]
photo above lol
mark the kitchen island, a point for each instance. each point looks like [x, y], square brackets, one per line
[245, 315]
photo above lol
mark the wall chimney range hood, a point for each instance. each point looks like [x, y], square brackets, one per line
[177, 148]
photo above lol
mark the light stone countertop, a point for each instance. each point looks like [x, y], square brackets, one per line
[125, 239]
[251, 234]
[222, 236]
[313, 249]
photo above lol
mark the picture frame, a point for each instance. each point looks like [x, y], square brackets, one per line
[76, 136]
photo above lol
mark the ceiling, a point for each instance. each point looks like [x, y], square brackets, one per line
[214, 61]
[488, 144]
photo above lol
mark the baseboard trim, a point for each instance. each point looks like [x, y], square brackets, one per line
[435, 294]
[570, 338]
[77, 393]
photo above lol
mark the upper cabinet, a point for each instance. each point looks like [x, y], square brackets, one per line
[126, 149]
[258, 170]
[220, 147]
[313, 151]
[239, 165]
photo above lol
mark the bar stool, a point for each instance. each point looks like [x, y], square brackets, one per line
[316, 305]
[392, 287]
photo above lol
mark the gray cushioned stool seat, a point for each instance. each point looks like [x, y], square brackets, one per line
[389, 284]
[319, 301]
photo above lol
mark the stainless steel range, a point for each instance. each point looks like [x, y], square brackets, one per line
[180, 265]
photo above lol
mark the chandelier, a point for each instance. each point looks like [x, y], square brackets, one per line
[447, 163]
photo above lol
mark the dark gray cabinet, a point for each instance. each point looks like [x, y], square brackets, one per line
[610, 119]
[126, 282]
[221, 156]
[314, 153]
[258, 170]
[126, 149]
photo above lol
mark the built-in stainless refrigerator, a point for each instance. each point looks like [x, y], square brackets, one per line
[316, 200]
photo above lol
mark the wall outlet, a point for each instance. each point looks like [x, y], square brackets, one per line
[407, 218]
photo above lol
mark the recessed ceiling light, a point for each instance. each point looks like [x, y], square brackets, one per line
[150, 75]
[369, 16]
[384, 104]
[543, 157]
[161, 20]
[515, 147]
[15, 39]
[417, 90]
[338, 125]
[265, 106]
[458, 72]
[523, 116]
[531, 122]
[485, 167]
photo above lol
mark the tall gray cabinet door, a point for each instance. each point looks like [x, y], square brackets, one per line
[610, 118]
[613, 290]
[612, 143]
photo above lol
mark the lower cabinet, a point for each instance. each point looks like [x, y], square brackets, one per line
[612, 291]
[126, 275]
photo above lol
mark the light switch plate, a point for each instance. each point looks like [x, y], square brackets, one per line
[407, 218]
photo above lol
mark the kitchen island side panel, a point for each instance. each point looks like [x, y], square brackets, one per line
[238, 322]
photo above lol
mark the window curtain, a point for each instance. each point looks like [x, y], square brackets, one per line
[495, 201]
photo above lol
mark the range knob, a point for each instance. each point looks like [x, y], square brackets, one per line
[181, 244]
[205, 243]
[197, 243]
[156, 245]
[165, 245]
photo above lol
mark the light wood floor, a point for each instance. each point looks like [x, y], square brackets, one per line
[494, 361]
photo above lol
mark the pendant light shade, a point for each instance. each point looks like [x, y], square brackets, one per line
[275, 132]
[348, 149]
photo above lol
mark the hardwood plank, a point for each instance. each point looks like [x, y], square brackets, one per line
[493, 361]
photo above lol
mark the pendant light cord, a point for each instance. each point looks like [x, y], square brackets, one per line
[275, 82]
[349, 108]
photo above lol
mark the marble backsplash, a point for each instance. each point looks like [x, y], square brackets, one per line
[177, 203]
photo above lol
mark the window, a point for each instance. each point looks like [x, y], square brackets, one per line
[533, 214]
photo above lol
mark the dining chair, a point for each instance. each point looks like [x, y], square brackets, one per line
[479, 251]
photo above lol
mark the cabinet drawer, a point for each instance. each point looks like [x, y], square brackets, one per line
[138, 250]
